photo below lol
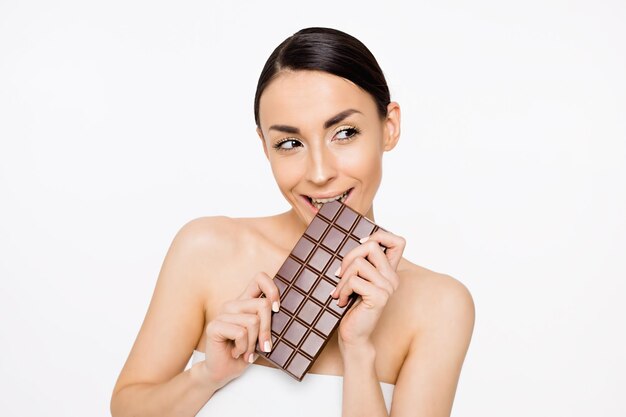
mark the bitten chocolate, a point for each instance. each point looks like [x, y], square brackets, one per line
[308, 316]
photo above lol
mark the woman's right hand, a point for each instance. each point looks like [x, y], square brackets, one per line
[232, 335]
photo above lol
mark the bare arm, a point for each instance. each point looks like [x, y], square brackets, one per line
[441, 322]
[362, 395]
[183, 395]
[152, 381]
[428, 379]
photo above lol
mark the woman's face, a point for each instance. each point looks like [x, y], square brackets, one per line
[324, 139]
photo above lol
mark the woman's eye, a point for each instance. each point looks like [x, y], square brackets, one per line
[349, 131]
[282, 145]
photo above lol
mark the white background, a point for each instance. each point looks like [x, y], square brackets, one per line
[122, 120]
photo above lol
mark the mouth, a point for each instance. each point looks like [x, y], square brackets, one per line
[317, 202]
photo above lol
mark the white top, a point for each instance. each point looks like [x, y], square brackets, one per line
[263, 391]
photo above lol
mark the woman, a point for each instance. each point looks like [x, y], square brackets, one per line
[324, 119]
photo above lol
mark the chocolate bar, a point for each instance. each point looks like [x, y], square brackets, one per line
[308, 316]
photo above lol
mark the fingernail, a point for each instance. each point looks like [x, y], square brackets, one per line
[333, 291]
[275, 306]
[267, 346]
[338, 271]
[251, 358]
[363, 240]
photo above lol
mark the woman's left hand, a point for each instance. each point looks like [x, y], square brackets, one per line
[371, 273]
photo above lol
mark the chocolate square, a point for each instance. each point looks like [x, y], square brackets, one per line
[330, 210]
[309, 311]
[303, 248]
[316, 229]
[280, 354]
[322, 291]
[320, 259]
[346, 219]
[289, 269]
[333, 239]
[292, 301]
[294, 333]
[306, 279]
[298, 364]
[312, 344]
[363, 228]
[279, 321]
[326, 323]
[348, 246]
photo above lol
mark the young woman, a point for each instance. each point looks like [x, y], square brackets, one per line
[324, 119]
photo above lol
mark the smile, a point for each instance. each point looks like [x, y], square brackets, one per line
[317, 202]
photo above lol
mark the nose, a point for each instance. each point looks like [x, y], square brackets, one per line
[322, 166]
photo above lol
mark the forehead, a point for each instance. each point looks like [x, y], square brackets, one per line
[306, 99]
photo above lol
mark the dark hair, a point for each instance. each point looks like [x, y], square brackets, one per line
[329, 50]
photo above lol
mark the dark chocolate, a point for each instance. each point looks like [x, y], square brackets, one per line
[308, 316]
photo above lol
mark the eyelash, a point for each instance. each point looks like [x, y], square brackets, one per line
[356, 130]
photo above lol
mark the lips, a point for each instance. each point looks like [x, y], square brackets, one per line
[316, 202]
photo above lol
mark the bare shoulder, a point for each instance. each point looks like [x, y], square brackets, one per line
[208, 238]
[434, 298]
[215, 232]
[219, 231]
[207, 246]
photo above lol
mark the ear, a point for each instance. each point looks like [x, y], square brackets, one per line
[260, 133]
[392, 126]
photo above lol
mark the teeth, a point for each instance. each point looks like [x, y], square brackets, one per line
[318, 202]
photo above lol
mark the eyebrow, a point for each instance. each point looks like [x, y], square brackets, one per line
[328, 123]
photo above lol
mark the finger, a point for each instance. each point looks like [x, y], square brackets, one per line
[372, 251]
[358, 267]
[251, 323]
[368, 293]
[371, 296]
[394, 245]
[377, 257]
[367, 246]
[362, 269]
[221, 331]
[262, 284]
[259, 306]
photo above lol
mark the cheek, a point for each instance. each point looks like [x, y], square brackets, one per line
[286, 173]
[363, 161]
